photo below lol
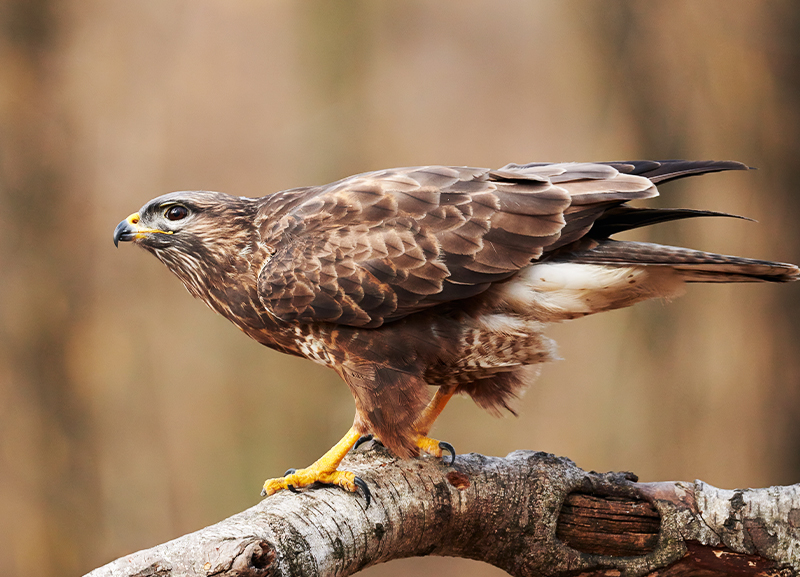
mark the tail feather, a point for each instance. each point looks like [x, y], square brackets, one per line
[694, 265]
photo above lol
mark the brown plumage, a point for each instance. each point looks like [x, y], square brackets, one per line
[442, 276]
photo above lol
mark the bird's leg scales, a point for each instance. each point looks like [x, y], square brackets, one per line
[323, 470]
[432, 411]
[290, 487]
[425, 421]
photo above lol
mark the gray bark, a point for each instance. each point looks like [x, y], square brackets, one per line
[529, 514]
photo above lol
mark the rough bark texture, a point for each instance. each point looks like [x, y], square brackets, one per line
[529, 514]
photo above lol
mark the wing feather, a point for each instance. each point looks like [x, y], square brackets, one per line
[378, 246]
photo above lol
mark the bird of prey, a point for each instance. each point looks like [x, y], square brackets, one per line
[433, 277]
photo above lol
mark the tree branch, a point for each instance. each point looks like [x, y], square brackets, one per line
[529, 514]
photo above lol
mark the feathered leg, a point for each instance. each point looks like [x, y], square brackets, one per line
[425, 421]
[423, 426]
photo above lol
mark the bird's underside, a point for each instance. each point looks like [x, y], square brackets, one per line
[437, 276]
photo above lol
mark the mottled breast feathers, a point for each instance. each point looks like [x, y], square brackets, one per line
[376, 247]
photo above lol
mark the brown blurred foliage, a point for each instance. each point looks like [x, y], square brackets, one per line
[129, 414]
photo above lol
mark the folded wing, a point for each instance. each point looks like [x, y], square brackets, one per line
[376, 247]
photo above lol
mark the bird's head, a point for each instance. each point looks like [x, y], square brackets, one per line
[196, 234]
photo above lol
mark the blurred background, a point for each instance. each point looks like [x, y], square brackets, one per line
[129, 414]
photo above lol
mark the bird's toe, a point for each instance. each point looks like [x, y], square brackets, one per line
[295, 479]
[435, 448]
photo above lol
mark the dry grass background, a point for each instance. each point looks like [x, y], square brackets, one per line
[129, 414]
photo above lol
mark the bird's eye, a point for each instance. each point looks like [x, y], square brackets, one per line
[177, 212]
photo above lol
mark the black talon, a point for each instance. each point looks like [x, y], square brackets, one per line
[364, 489]
[361, 440]
[286, 474]
[364, 438]
[445, 446]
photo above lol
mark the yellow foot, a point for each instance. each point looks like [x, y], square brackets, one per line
[436, 448]
[305, 477]
[322, 471]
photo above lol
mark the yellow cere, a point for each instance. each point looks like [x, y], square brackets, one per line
[140, 232]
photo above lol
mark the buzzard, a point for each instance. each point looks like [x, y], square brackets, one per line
[440, 277]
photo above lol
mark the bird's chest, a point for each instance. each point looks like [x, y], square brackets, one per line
[302, 340]
[314, 347]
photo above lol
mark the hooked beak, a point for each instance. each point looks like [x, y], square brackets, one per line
[129, 230]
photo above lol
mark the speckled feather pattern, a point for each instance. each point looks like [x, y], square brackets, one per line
[445, 276]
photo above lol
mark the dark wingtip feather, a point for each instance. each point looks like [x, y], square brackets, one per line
[659, 171]
[624, 217]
